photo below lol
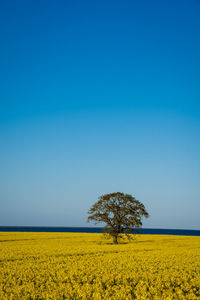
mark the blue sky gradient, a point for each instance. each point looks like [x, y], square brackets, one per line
[99, 97]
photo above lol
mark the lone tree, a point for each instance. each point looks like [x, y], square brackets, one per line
[121, 213]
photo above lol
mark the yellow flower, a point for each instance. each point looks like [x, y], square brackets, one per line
[83, 266]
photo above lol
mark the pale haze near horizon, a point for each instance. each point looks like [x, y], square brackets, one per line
[97, 98]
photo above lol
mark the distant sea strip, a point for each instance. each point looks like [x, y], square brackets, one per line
[186, 232]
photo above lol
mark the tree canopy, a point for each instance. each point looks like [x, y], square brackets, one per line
[120, 212]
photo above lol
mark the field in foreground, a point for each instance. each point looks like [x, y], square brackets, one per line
[86, 266]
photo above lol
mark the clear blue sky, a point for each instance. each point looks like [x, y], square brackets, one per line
[99, 97]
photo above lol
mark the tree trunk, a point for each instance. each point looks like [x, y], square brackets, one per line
[115, 241]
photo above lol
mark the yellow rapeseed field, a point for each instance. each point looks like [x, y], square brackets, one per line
[87, 266]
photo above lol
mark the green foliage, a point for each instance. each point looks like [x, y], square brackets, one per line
[120, 212]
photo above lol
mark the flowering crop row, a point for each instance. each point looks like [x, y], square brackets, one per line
[86, 266]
